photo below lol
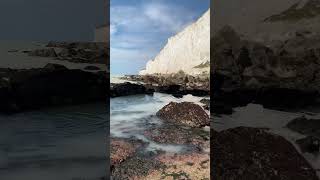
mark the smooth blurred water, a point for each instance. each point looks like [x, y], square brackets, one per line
[62, 143]
[132, 115]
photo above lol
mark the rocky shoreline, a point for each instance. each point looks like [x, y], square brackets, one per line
[178, 84]
[281, 75]
[52, 85]
[130, 158]
[76, 52]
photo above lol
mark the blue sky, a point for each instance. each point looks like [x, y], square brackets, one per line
[140, 28]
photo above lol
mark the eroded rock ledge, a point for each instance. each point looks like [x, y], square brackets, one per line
[178, 84]
[53, 85]
[78, 52]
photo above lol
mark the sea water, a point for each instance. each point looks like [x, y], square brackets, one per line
[60, 143]
[65, 143]
[132, 115]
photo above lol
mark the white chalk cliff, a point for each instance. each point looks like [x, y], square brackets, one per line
[188, 51]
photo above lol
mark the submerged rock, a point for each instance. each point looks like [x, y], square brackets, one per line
[305, 126]
[92, 68]
[54, 67]
[179, 135]
[185, 113]
[249, 153]
[206, 103]
[309, 144]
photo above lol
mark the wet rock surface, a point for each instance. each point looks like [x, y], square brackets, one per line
[122, 149]
[206, 103]
[190, 159]
[185, 113]
[252, 153]
[127, 89]
[182, 166]
[179, 135]
[136, 168]
[92, 68]
[309, 144]
[178, 84]
[53, 85]
[164, 166]
[305, 126]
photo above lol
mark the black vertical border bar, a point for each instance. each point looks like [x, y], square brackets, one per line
[107, 136]
[211, 80]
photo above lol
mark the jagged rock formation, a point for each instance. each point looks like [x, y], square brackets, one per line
[188, 51]
[288, 69]
[78, 52]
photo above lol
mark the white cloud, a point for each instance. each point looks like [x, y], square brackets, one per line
[137, 32]
[113, 29]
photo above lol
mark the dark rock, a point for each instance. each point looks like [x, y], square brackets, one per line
[54, 85]
[92, 68]
[309, 144]
[206, 103]
[248, 153]
[279, 76]
[49, 52]
[136, 168]
[305, 126]
[13, 50]
[176, 84]
[77, 52]
[185, 113]
[82, 52]
[54, 67]
[221, 108]
[127, 89]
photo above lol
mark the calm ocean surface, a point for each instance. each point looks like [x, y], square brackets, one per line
[65, 143]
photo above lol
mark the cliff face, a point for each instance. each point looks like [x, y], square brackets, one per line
[188, 51]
